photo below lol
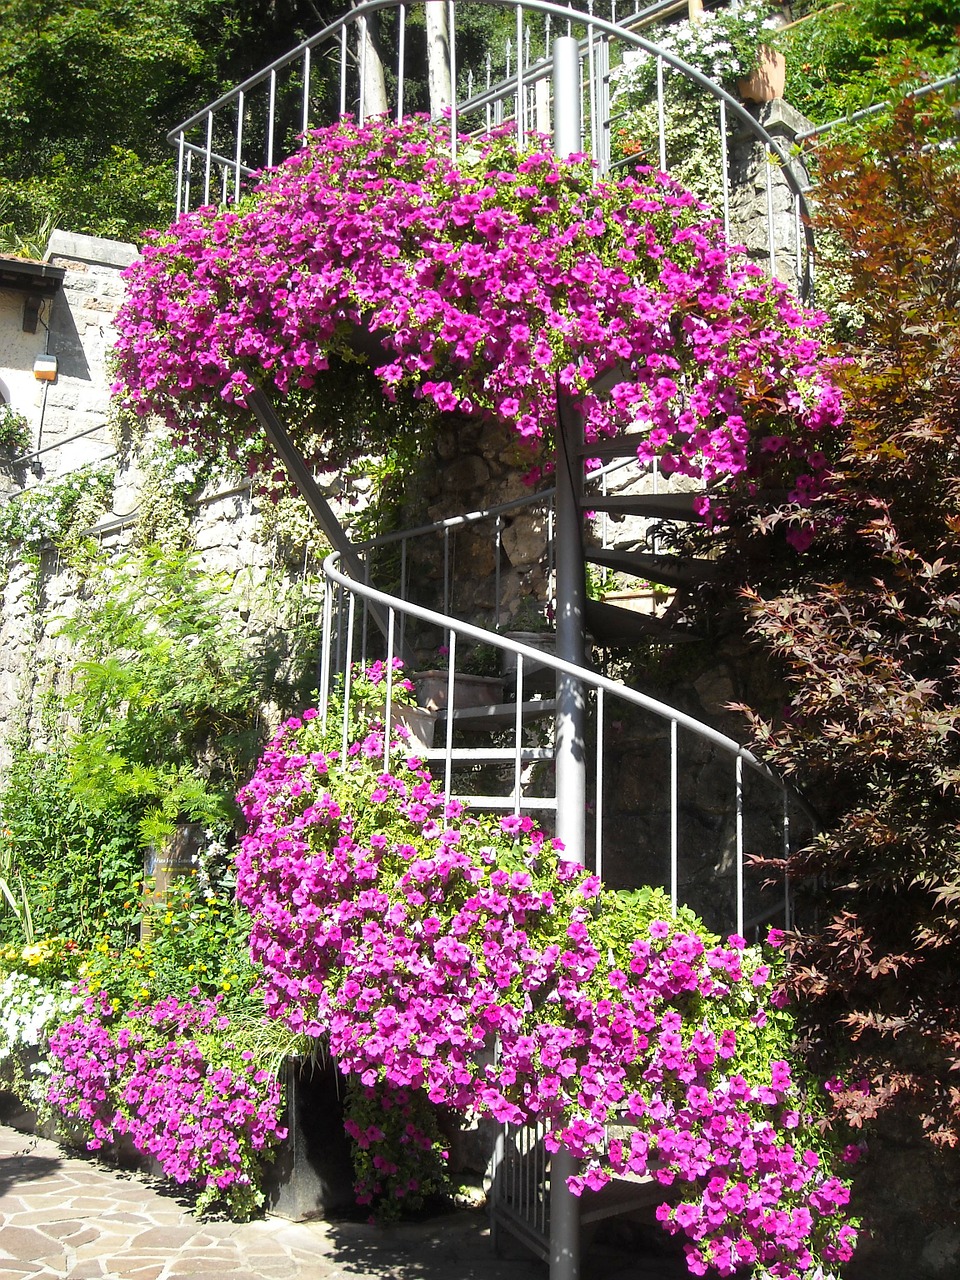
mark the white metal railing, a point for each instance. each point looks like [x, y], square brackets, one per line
[263, 120]
[448, 553]
[747, 810]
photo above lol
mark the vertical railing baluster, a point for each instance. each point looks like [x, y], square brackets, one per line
[674, 819]
[661, 117]
[452, 30]
[348, 674]
[520, 107]
[208, 159]
[388, 711]
[343, 70]
[592, 85]
[187, 186]
[518, 735]
[362, 36]
[365, 612]
[271, 118]
[181, 140]
[598, 812]
[725, 169]
[489, 82]
[326, 640]
[305, 113]
[740, 844]
[451, 707]
[771, 228]
[241, 106]
[401, 59]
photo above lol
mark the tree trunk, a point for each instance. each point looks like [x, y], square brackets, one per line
[438, 56]
[370, 53]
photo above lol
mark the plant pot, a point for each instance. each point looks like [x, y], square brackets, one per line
[767, 82]
[418, 721]
[468, 691]
[537, 678]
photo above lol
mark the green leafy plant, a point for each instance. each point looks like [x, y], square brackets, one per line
[844, 57]
[14, 429]
[73, 869]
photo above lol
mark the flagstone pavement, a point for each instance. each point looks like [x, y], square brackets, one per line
[62, 1215]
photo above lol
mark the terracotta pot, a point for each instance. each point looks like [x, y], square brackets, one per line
[769, 79]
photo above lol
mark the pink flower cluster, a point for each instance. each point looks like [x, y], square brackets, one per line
[489, 280]
[149, 1076]
[414, 935]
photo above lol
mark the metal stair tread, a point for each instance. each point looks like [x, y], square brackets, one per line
[499, 713]
[610, 623]
[663, 506]
[671, 571]
[487, 755]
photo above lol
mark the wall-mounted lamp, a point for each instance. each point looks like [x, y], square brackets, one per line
[45, 368]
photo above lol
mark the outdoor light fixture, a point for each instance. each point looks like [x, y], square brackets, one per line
[45, 368]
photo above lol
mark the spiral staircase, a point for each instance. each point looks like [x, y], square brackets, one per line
[634, 788]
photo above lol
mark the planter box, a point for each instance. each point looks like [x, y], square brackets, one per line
[650, 603]
[537, 678]
[418, 721]
[468, 691]
[311, 1175]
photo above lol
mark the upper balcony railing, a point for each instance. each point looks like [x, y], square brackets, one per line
[749, 177]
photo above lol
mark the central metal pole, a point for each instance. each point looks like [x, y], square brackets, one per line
[571, 598]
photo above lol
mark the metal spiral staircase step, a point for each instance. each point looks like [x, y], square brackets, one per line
[655, 506]
[669, 571]
[610, 624]
[488, 755]
[622, 447]
[499, 715]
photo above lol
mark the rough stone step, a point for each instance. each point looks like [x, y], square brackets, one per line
[610, 624]
[670, 571]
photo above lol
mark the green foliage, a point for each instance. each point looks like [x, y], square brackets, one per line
[14, 429]
[868, 641]
[88, 90]
[57, 512]
[77, 870]
[166, 696]
[846, 56]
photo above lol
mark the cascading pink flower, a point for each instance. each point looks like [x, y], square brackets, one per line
[410, 933]
[488, 280]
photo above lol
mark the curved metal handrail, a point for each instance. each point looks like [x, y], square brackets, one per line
[593, 685]
[728, 106]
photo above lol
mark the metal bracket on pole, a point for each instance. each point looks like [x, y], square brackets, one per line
[571, 601]
[320, 509]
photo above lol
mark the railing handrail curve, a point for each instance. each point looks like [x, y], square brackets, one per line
[554, 10]
[593, 678]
